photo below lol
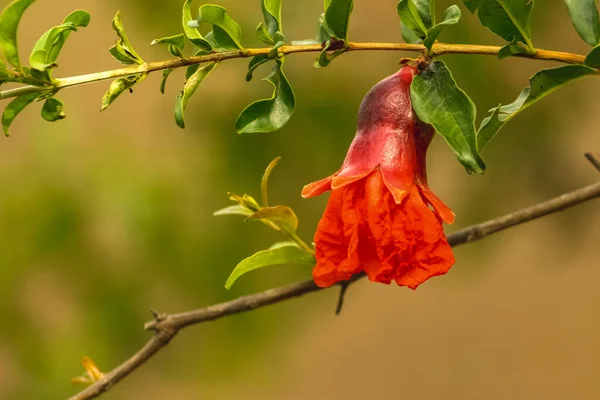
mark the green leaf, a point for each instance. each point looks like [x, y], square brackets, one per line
[508, 19]
[411, 18]
[278, 245]
[52, 110]
[256, 62]
[279, 42]
[118, 86]
[325, 56]
[78, 18]
[123, 51]
[192, 33]
[323, 33]
[265, 258]
[210, 38]
[269, 115]
[283, 216]
[511, 49]
[337, 18]
[47, 48]
[164, 77]
[471, 5]
[15, 107]
[120, 55]
[176, 44]
[9, 22]
[541, 84]
[593, 58]
[451, 16]
[175, 40]
[409, 36]
[234, 210]
[426, 10]
[272, 13]
[189, 89]
[438, 101]
[191, 70]
[584, 16]
[4, 75]
[264, 182]
[227, 33]
[262, 33]
[246, 201]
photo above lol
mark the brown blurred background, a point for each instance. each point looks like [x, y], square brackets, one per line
[103, 216]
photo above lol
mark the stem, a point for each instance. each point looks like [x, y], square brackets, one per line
[294, 236]
[437, 50]
[291, 235]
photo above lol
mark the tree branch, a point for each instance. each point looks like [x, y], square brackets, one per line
[166, 326]
[438, 49]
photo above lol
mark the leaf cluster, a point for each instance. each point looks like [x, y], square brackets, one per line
[279, 218]
[437, 99]
[42, 61]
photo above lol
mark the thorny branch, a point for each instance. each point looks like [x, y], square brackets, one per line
[166, 326]
[438, 49]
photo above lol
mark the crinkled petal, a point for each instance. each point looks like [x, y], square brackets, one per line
[337, 238]
[381, 268]
[409, 238]
[429, 252]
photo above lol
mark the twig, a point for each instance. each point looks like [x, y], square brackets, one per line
[438, 49]
[166, 326]
[342, 296]
[593, 160]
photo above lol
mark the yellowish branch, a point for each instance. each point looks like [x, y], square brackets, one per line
[438, 49]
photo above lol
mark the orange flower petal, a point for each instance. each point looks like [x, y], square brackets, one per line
[441, 209]
[363, 229]
[317, 188]
[337, 237]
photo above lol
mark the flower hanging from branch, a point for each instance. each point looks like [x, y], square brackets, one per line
[378, 219]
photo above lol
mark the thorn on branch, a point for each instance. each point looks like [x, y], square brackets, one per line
[158, 324]
[158, 317]
[340, 304]
[593, 160]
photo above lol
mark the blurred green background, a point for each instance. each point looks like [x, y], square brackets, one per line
[103, 216]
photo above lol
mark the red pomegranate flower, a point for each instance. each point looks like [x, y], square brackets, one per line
[378, 218]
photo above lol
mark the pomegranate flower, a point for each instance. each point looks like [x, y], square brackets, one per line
[378, 218]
